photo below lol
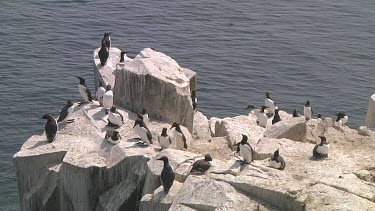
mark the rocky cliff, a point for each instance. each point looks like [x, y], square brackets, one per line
[81, 171]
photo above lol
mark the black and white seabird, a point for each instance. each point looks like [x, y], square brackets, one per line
[113, 137]
[164, 140]
[108, 98]
[66, 112]
[321, 150]
[100, 93]
[103, 54]
[167, 175]
[122, 56]
[269, 103]
[276, 117]
[143, 131]
[277, 161]
[143, 115]
[115, 118]
[107, 40]
[307, 111]
[194, 99]
[179, 136]
[83, 90]
[342, 118]
[262, 117]
[295, 114]
[246, 150]
[201, 166]
[50, 128]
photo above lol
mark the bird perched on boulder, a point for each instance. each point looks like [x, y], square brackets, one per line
[307, 111]
[103, 54]
[276, 161]
[115, 118]
[167, 175]
[50, 128]
[295, 114]
[179, 136]
[108, 98]
[246, 150]
[164, 140]
[113, 137]
[276, 117]
[143, 131]
[83, 90]
[143, 115]
[201, 166]
[66, 112]
[100, 93]
[107, 40]
[321, 150]
[270, 103]
[262, 117]
[342, 118]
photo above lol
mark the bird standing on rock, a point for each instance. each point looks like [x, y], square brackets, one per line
[201, 166]
[307, 111]
[295, 114]
[66, 112]
[100, 93]
[269, 103]
[108, 98]
[143, 131]
[262, 117]
[167, 175]
[107, 40]
[179, 136]
[164, 140]
[276, 117]
[83, 90]
[50, 128]
[246, 150]
[277, 161]
[194, 99]
[321, 150]
[115, 118]
[103, 54]
[342, 118]
[113, 137]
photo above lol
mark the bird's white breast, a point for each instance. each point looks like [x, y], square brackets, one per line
[274, 164]
[142, 132]
[262, 119]
[344, 120]
[82, 91]
[178, 138]
[269, 103]
[307, 112]
[109, 139]
[108, 99]
[115, 118]
[145, 118]
[164, 142]
[246, 152]
[323, 149]
[100, 93]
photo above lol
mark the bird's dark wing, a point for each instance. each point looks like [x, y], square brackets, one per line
[184, 140]
[122, 118]
[51, 130]
[63, 114]
[200, 166]
[170, 140]
[238, 147]
[167, 177]
[280, 159]
[149, 136]
[140, 116]
[88, 93]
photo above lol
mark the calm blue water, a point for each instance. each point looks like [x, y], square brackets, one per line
[319, 50]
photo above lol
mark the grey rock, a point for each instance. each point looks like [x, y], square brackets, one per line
[370, 117]
[294, 129]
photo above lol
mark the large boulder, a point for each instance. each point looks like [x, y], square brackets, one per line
[370, 117]
[294, 129]
[154, 81]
